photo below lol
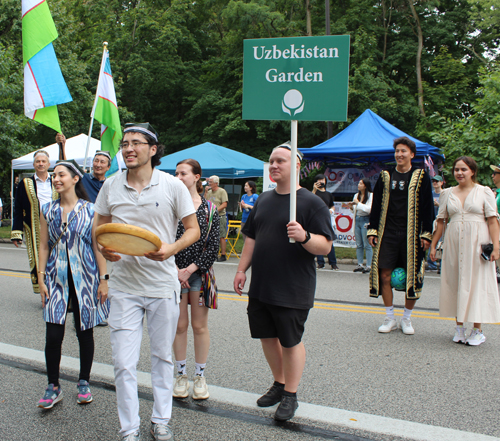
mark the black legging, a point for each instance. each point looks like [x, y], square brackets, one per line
[54, 338]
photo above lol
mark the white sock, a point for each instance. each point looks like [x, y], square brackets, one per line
[389, 311]
[407, 313]
[200, 369]
[181, 367]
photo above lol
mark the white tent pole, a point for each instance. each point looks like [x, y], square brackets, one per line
[293, 174]
[105, 44]
[11, 195]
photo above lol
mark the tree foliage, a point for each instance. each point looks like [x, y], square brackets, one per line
[178, 65]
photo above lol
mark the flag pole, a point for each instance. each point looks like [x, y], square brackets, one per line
[293, 174]
[105, 47]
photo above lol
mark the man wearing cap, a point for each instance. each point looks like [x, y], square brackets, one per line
[283, 281]
[145, 285]
[437, 188]
[33, 192]
[93, 181]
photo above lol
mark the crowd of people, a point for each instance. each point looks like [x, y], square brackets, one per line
[405, 215]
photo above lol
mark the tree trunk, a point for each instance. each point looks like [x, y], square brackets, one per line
[418, 65]
[308, 18]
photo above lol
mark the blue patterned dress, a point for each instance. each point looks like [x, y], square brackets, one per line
[77, 242]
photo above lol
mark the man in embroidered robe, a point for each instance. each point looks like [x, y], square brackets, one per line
[400, 232]
[33, 192]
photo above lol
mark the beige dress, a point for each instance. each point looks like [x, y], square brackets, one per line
[469, 288]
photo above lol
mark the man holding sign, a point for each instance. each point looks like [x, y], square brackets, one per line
[283, 277]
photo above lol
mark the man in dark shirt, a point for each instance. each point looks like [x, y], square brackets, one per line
[283, 277]
[93, 181]
[400, 231]
[319, 189]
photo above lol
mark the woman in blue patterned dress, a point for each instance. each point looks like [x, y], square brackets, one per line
[69, 269]
[191, 263]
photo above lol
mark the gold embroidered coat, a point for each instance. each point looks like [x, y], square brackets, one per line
[420, 218]
[27, 219]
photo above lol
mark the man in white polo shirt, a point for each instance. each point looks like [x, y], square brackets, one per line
[138, 286]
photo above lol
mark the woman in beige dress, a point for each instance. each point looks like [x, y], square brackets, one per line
[469, 291]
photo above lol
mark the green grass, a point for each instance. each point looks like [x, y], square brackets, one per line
[5, 232]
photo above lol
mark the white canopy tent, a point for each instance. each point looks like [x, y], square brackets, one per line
[75, 149]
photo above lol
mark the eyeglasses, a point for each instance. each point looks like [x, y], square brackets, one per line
[495, 173]
[134, 144]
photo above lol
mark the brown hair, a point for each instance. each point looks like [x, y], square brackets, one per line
[196, 168]
[469, 162]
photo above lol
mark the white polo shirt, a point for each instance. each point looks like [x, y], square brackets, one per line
[43, 190]
[158, 208]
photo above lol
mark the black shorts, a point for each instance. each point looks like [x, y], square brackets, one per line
[393, 250]
[271, 321]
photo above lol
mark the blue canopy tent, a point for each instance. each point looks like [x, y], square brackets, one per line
[216, 160]
[367, 140]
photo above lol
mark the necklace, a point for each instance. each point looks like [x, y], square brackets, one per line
[403, 172]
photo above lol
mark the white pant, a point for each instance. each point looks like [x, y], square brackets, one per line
[125, 321]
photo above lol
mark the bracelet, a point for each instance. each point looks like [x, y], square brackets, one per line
[42, 272]
[240, 272]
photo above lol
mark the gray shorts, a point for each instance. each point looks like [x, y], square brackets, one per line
[194, 282]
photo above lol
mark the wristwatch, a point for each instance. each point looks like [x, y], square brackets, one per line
[308, 237]
[104, 277]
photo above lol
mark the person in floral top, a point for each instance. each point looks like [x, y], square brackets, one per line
[192, 262]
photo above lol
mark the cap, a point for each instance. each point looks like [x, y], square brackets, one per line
[103, 153]
[72, 164]
[145, 128]
[495, 168]
[437, 178]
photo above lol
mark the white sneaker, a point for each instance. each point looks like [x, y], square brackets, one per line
[200, 388]
[181, 387]
[132, 437]
[161, 432]
[389, 325]
[476, 337]
[459, 335]
[406, 326]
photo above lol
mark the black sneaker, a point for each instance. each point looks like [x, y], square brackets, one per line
[358, 269]
[222, 258]
[335, 267]
[286, 409]
[367, 270]
[320, 266]
[272, 396]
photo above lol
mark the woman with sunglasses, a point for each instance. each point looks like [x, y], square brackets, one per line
[72, 278]
[469, 291]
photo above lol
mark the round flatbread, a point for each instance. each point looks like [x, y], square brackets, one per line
[127, 239]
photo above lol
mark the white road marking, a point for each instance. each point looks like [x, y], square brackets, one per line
[329, 415]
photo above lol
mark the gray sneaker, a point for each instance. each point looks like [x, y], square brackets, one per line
[132, 437]
[161, 432]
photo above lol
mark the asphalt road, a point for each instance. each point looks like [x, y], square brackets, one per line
[424, 378]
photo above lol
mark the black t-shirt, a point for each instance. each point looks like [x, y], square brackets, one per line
[397, 214]
[326, 197]
[284, 273]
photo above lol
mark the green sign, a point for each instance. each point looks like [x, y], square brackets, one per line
[297, 78]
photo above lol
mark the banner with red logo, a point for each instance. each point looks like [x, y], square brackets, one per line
[343, 224]
[345, 180]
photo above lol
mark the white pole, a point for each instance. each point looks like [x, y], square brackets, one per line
[105, 44]
[11, 194]
[293, 174]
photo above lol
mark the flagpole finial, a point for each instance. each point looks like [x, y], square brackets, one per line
[105, 44]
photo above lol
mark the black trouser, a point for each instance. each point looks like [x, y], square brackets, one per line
[54, 338]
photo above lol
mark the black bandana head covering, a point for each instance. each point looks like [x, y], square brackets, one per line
[71, 163]
[145, 128]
